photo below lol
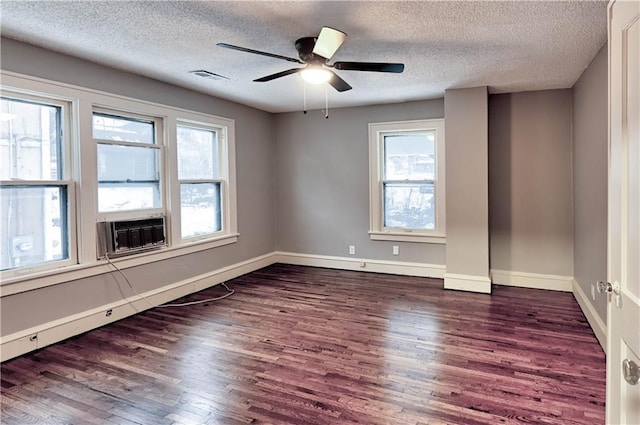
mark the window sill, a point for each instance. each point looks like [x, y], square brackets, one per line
[29, 282]
[407, 237]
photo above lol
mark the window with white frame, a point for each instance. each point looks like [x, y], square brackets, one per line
[407, 181]
[36, 196]
[129, 163]
[200, 179]
[146, 160]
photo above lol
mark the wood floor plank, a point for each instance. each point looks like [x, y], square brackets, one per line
[302, 345]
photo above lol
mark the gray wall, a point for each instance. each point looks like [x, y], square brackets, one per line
[322, 169]
[466, 141]
[590, 150]
[530, 189]
[255, 188]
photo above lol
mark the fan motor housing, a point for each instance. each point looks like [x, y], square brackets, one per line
[305, 46]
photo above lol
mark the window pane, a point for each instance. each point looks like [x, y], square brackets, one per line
[200, 209]
[127, 164]
[112, 127]
[410, 156]
[197, 154]
[30, 140]
[33, 227]
[409, 205]
[128, 196]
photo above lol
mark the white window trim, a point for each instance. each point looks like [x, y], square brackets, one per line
[226, 138]
[158, 145]
[224, 177]
[82, 102]
[377, 231]
[67, 179]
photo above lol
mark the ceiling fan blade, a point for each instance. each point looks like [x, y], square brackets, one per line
[258, 52]
[329, 41]
[370, 66]
[338, 83]
[278, 75]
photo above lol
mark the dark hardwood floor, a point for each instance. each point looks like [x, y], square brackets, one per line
[299, 345]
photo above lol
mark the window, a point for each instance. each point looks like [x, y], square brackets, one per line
[199, 176]
[131, 159]
[129, 164]
[36, 193]
[407, 181]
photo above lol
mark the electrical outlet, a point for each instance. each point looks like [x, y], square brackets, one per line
[593, 292]
[352, 250]
[396, 250]
[109, 313]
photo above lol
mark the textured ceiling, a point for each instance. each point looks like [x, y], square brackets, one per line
[507, 45]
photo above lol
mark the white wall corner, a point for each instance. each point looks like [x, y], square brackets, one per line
[532, 280]
[465, 282]
[597, 325]
[362, 264]
[40, 336]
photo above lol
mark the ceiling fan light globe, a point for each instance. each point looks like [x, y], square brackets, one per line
[315, 75]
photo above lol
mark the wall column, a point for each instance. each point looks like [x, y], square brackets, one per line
[467, 189]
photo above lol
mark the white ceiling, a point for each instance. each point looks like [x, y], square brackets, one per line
[507, 45]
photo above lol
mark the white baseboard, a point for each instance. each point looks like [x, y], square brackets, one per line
[532, 280]
[363, 265]
[465, 282]
[40, 336]
[596, 323]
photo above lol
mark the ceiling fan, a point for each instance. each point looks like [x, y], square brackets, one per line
[314, 54]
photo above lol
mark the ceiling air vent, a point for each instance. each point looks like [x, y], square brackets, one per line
[207, 74]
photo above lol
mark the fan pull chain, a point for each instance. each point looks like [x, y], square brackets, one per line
[304, 96]
[326, 102]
